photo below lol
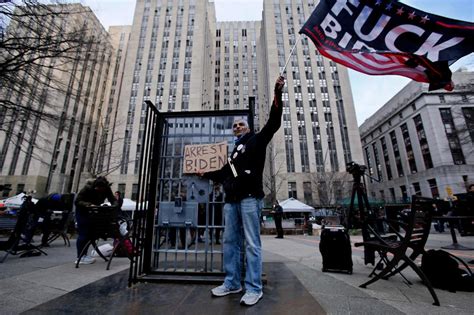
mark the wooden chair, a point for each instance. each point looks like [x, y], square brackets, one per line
[404, 245]
[103, 225]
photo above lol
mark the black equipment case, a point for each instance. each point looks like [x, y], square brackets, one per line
[335, 248]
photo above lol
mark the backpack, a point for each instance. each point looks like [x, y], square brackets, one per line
[125, 249]
[442, 270]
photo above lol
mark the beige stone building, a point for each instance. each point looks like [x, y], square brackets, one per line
[422, 142]
[48, 146]
[182, 59]
[178, 56]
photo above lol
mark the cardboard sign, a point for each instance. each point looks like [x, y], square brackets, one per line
[201, 158]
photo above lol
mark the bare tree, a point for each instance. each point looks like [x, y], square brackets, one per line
[107, 160]
[331, 186]
[273, 178]
[46, 49]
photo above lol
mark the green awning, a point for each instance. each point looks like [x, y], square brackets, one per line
[373, 202]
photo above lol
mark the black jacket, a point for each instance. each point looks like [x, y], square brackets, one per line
[248, 158]
[88, 196]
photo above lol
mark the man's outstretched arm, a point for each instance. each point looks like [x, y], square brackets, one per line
[276, 110]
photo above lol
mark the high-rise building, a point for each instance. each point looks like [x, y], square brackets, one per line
[178, 56]
[422, 142]
[54, 105]
[182, 59]
[319, 133]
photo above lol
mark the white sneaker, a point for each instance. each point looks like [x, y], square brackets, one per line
[222, 290]
[86, 260]
[251, 298]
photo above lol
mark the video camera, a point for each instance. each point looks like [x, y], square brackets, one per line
[355, 169]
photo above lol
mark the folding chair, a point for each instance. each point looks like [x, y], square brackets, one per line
[59, 227]
[404, 246]
[19, 242]
[103, 225]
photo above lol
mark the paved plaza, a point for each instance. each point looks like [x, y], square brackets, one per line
[295, 285]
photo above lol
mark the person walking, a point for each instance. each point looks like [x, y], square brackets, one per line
[242, 181]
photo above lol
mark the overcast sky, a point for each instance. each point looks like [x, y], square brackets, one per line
[369, 92]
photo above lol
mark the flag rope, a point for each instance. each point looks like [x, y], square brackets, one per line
[291, 53]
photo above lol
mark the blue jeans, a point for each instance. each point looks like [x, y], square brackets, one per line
[242, 221]
[82, 220]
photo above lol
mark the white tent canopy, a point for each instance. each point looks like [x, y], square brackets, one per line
[15, 202]
[128, 204]
[293, 205]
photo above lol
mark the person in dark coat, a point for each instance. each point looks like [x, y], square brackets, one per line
[278, 217]
[93, 194]
[242, 181]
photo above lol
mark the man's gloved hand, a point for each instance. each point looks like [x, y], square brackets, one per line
[279, 84]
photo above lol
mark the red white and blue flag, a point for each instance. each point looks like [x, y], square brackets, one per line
[380, 37]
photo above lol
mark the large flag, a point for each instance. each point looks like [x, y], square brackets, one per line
[380, 37]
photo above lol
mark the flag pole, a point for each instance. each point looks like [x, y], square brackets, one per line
[291, 53]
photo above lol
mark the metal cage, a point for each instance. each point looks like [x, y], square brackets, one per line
[177, 217]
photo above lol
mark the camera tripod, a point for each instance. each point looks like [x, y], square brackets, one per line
[361, 217]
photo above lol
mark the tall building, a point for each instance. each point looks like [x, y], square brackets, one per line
[319, 133]
[168, 61]
[53, 107]
[182, 59]
[178, 56]
[422, 142]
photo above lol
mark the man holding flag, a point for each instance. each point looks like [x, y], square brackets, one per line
[242, 181]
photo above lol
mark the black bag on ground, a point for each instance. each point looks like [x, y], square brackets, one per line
[442, 270]
[335, 248]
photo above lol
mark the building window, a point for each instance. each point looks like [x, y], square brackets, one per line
[433, 187]
[134, 192]
[378, 166]
[452, 135]
[396, 153]
[425, 150]
[6, 190]
[468, 113]
[409, 148]
[403, 189]
[121, 188]
[308, 193]
[386, 158]
[442, 100]
[392, 194]
[20, 188]
[417, 189]
[369, 163]
[292, 190]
